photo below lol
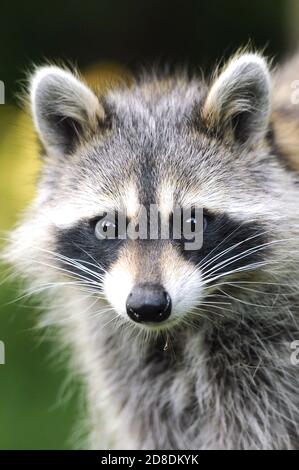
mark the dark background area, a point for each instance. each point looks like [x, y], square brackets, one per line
[39, 405]
[134, 32]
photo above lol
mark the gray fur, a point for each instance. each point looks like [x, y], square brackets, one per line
[225, 381]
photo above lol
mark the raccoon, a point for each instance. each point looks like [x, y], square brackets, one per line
[179, 349]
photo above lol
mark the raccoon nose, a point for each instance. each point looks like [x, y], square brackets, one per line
[148, 303]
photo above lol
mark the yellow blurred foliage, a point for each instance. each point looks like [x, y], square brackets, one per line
[102, 76]
[18, 163]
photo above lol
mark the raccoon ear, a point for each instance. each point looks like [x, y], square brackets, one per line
[64, 109]
[238, 103]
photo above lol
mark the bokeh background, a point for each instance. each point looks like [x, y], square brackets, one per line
[39, 405]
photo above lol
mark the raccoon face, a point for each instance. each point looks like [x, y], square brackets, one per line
[163, 144]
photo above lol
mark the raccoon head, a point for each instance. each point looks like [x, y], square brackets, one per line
[169, 143]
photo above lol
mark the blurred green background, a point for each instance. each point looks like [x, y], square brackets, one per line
[39, 406]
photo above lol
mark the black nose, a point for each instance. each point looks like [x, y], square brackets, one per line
[148, 303]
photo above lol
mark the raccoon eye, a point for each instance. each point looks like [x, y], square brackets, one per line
[192, 221]
[105, 228]
[110, 226]
[204, 222]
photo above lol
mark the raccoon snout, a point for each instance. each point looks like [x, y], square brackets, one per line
[148, 303]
